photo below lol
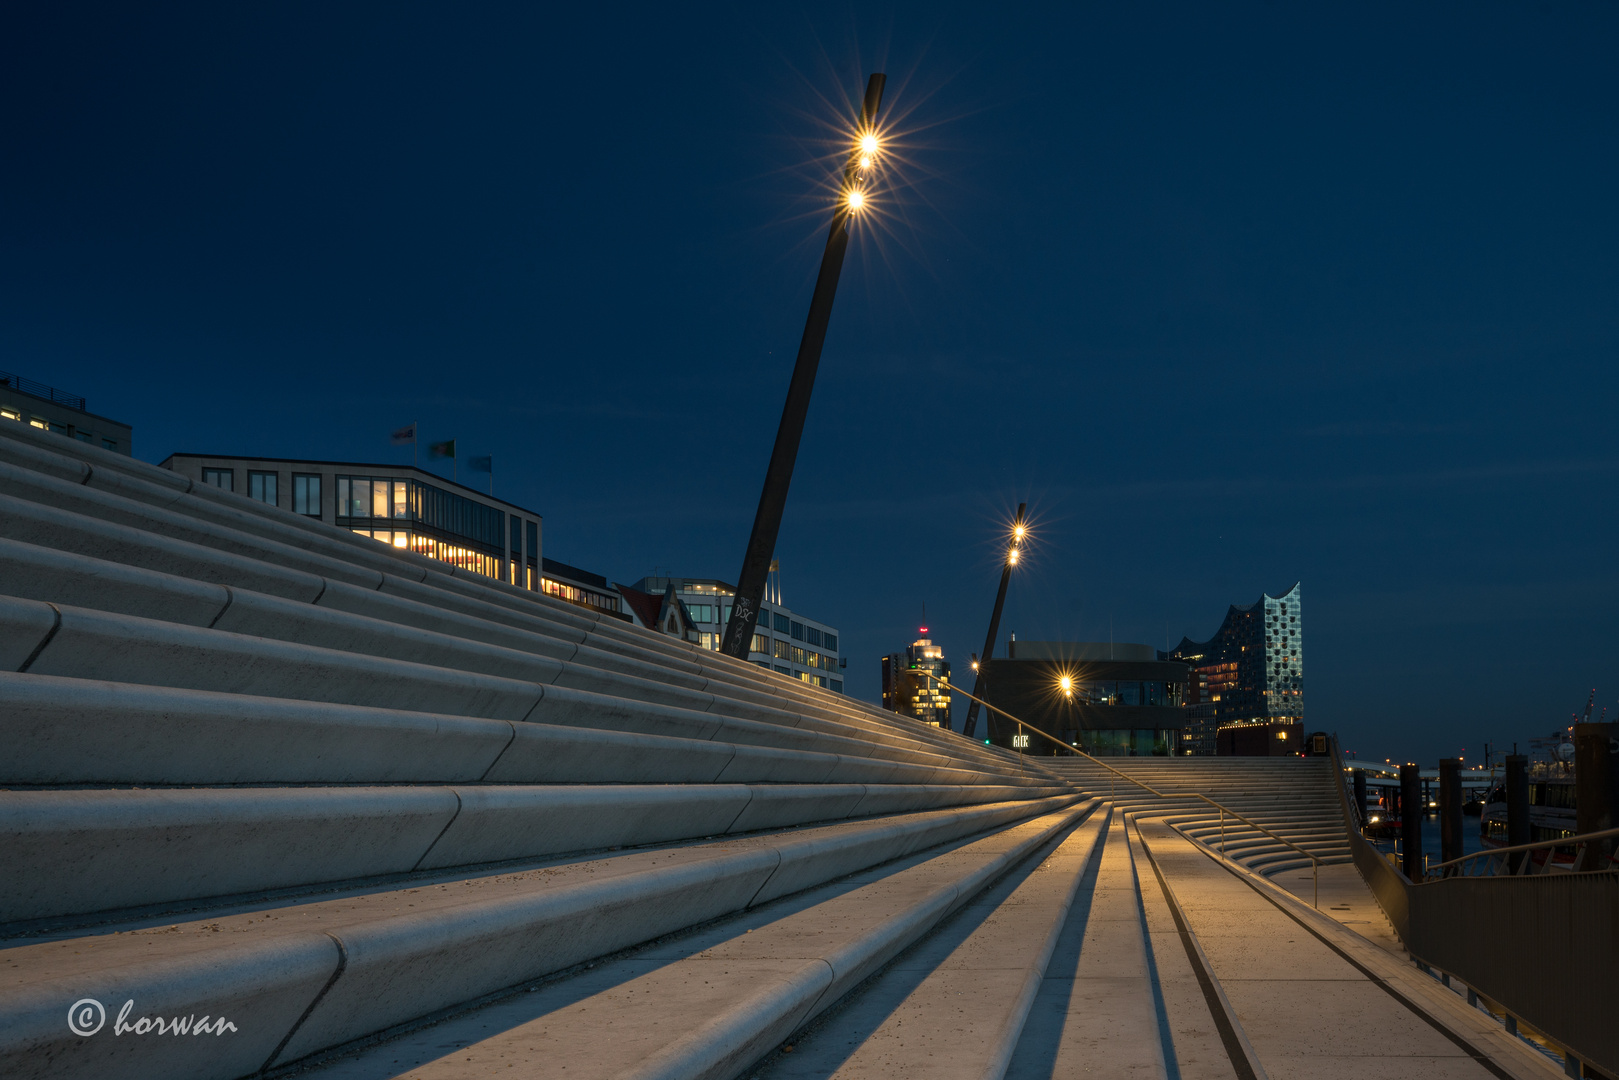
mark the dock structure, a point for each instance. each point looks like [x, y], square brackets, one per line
[276, 799]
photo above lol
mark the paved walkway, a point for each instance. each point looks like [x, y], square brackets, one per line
[1310, 1005]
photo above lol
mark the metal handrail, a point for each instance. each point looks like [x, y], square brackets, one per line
[1581, 839]
[1315, 863]
[40, 390]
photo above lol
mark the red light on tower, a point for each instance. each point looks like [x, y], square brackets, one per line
[924, 629]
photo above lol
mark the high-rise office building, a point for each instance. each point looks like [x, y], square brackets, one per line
[916, 683]
[1245, 692]
[783, 640]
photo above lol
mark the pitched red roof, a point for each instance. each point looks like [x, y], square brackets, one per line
[645, 605]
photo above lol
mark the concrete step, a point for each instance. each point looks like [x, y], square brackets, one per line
[60, 578]
[710, 1006]
[302, 977]
[959, 1006]
[61, 505]
[89, 731]
[1098, 1008]
[72, 852]
[83, 644]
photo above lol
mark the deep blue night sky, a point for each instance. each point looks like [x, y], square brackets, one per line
[1234, 295]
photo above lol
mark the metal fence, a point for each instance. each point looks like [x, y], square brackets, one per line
[1545, 948]
[40, 390]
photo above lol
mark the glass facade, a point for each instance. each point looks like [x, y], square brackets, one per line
[1250, 672]
[802, 650]
[1131, 742]
[575, 594]
[363, 499]
[422, 518]
[1127, 692]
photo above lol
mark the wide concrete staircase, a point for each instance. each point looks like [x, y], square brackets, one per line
[276, 799]
[1293, 798]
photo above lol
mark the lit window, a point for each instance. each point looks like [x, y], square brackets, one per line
[9, 415]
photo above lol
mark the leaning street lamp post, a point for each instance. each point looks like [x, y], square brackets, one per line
[750, 582]
[1019, 530]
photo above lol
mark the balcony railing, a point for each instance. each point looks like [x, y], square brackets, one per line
[40, 390]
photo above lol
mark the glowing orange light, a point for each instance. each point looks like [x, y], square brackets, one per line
[868, 143]
[856, 199]
[865, 161]
[1012, 556]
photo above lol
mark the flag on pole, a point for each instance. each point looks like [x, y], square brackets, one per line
[441, 449]
[406, 434]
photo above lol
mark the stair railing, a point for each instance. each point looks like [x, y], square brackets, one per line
[1315, 863]
[1501, 866]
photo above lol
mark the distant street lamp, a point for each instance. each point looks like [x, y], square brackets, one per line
[852, 199]
[1020, 532]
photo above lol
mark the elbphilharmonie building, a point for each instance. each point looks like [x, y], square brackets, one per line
[1247, 680]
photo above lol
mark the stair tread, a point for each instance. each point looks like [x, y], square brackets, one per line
[1097, 1010]
[711, 1005]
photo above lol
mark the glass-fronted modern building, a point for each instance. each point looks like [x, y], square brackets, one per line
[783, 640]
[1105, 698]
[916, 682]
[408, 508]
[1250, 674]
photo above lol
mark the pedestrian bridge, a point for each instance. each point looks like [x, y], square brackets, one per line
[353, 813]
